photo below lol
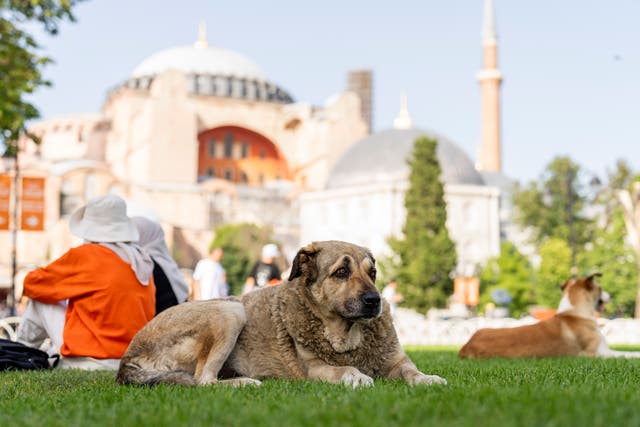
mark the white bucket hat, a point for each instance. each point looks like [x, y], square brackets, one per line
[104, 219]
[270, 251]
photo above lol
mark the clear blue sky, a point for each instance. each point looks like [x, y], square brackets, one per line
[571, 68]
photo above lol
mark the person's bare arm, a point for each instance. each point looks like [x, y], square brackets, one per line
[248, 285]
[195, 290]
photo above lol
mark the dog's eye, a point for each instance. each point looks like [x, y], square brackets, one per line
[341, 273]
[372, 274]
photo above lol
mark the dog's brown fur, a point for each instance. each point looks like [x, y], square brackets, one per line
[325, 323]
[573, 331]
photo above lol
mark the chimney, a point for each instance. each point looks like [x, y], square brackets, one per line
[360, 82]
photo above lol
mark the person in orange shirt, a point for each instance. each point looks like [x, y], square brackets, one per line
[92, 301]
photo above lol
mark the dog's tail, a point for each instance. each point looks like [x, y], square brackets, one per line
[131, 373]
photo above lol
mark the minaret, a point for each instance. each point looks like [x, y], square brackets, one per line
[403, 119]
[490, 78]
[202, 36]
[361, 82]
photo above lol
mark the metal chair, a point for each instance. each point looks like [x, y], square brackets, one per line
[8, 327]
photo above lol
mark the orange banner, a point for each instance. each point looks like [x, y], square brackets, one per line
[466, 290]
[5, 201]
[32, 204]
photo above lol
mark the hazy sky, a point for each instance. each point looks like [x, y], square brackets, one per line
[571, 68]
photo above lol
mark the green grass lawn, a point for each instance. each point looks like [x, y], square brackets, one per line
[552, 392]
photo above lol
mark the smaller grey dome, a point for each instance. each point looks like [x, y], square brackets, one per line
[382, 157]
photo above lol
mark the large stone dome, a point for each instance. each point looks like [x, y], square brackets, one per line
[381, 157]
[210, 71]
[206, 60]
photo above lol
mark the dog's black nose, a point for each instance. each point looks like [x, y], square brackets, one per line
[370, 298]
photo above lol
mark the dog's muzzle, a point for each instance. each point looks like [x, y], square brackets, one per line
[370, 304]
[603, 300]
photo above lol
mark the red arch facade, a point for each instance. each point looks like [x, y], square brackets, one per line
[239, 155]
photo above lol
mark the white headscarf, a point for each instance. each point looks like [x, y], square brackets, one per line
[152, 241]
[134, 255]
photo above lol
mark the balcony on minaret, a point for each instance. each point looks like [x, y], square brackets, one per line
[489, 74]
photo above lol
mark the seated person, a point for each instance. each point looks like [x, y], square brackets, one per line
[92, 300]
[171, 288]
[264, 272]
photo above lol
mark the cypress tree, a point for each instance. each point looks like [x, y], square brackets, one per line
[426, 255]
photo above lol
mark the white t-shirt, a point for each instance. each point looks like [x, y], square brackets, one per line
[212, 279]
[389, 294]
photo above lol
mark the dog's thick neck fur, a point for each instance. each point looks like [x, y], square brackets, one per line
[343, 334]
[325, 336]
[567, 306]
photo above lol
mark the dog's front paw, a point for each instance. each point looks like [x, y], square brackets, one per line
[421, 379]
[355, 379]
[241, 382]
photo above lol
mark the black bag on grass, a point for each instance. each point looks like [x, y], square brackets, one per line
[17, 356]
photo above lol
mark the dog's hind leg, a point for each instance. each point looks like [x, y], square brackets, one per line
[604, 350]
[219, 342]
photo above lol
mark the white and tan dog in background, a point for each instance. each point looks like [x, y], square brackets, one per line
[573, 331]
[326, 323]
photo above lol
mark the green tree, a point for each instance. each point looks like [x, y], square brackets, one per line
[554, 270]
[611, 255]
[426, 254]
[610, 251]
[512, 272]
[242, 245]
[553, 207]
[21, 63]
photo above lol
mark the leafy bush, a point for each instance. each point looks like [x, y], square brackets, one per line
[242, 246]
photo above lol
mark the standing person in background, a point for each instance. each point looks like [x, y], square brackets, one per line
[171, 288]
[265, 272]
[92, 300]
[209, 277]
[390, 293]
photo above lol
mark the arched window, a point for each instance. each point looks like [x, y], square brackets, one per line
[228, 146]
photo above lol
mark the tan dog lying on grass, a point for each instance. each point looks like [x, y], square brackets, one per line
[573, 331]
[326, 323]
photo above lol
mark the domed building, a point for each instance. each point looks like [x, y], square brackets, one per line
[200, 136]
[363, 200]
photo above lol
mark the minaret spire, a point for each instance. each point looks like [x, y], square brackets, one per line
[403, 119]
[202, 36]
[489, 24]
[490, 78]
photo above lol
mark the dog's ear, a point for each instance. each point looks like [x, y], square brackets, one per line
[373, 260]
[304, 264]
[589, 279]
[593, 276]
[565, 284]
